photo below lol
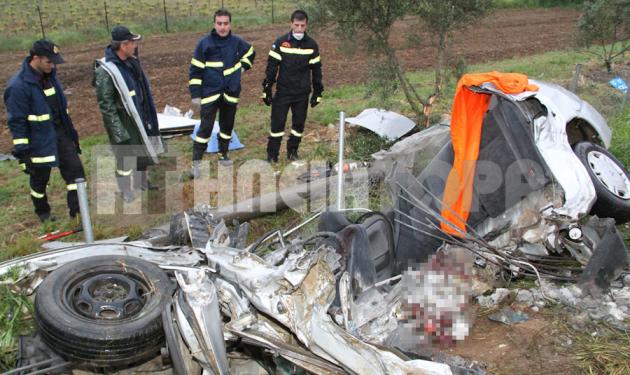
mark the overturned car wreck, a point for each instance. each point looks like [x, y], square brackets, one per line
[364, 292]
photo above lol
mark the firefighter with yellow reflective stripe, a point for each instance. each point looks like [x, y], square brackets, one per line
[124, 97]
[43, 133]
[215, 84]
[294, 59]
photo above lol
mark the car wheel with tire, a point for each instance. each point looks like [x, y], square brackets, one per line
[611, 181]
[104, 311]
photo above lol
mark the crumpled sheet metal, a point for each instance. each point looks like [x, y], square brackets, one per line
[386, 124]
[530, 220]
[552, 142]
[298, 294]
[260, 331]
[53, 259]
[201, 296]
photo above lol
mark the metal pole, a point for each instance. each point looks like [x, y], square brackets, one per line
[41, 22]
[165, 16]
[625, 95]
[576, 76]
[342, 122]
[86, 223]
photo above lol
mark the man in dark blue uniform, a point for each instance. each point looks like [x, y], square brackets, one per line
[43, 133]
[294, 59]
[215, 84]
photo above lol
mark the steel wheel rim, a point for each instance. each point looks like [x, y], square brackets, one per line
[108, 296]
[611, 176]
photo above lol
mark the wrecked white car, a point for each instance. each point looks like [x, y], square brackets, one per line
[542, 166]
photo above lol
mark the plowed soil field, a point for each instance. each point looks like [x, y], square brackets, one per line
[504, 34]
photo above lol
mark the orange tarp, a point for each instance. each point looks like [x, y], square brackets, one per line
[469, 109]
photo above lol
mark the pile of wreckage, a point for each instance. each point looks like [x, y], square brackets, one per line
[353, 291]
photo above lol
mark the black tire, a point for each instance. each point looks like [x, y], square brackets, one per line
[70, 326]
[608, 204]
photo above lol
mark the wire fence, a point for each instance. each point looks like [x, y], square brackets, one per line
[45, 16]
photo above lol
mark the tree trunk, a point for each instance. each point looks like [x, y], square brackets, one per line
[441, 61]
[410, 94]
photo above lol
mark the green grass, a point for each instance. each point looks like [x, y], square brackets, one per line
[15, 320]
[608, 352]
[620, 145]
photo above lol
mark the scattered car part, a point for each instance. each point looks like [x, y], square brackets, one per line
[611, 181]
[262, 332]
[197, 230]
[610, 257]
[508, 316]
[170, 124]
[181, 359]
[104, 311]
[386, 124]
[200, 296]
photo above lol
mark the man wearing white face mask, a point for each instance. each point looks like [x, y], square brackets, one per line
[294, 60]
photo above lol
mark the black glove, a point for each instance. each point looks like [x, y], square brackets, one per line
[24, 160]
[315, 99]
[266, 95]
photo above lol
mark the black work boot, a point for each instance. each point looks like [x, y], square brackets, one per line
[46, 216]
[273, 146]
[292, 155]
[141, 181]
[224, 160]
[195, 169]
[224, 145]
[124, 185]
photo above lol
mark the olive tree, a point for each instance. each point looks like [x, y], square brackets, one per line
[604, 29]
[369, 23]
[441, 19]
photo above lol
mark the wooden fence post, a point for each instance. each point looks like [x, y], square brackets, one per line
[41, 22]
[106, 16]
[165, 16]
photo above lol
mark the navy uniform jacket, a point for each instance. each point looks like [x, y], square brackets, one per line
[30, 117]
[215, 68]
[297, 63]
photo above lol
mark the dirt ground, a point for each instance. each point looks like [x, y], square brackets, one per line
[536, 346]
[505, 34]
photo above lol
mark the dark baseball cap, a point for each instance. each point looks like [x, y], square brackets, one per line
[122, 34]
[47, 48]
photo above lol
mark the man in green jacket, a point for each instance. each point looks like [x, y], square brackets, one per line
[124, 97]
